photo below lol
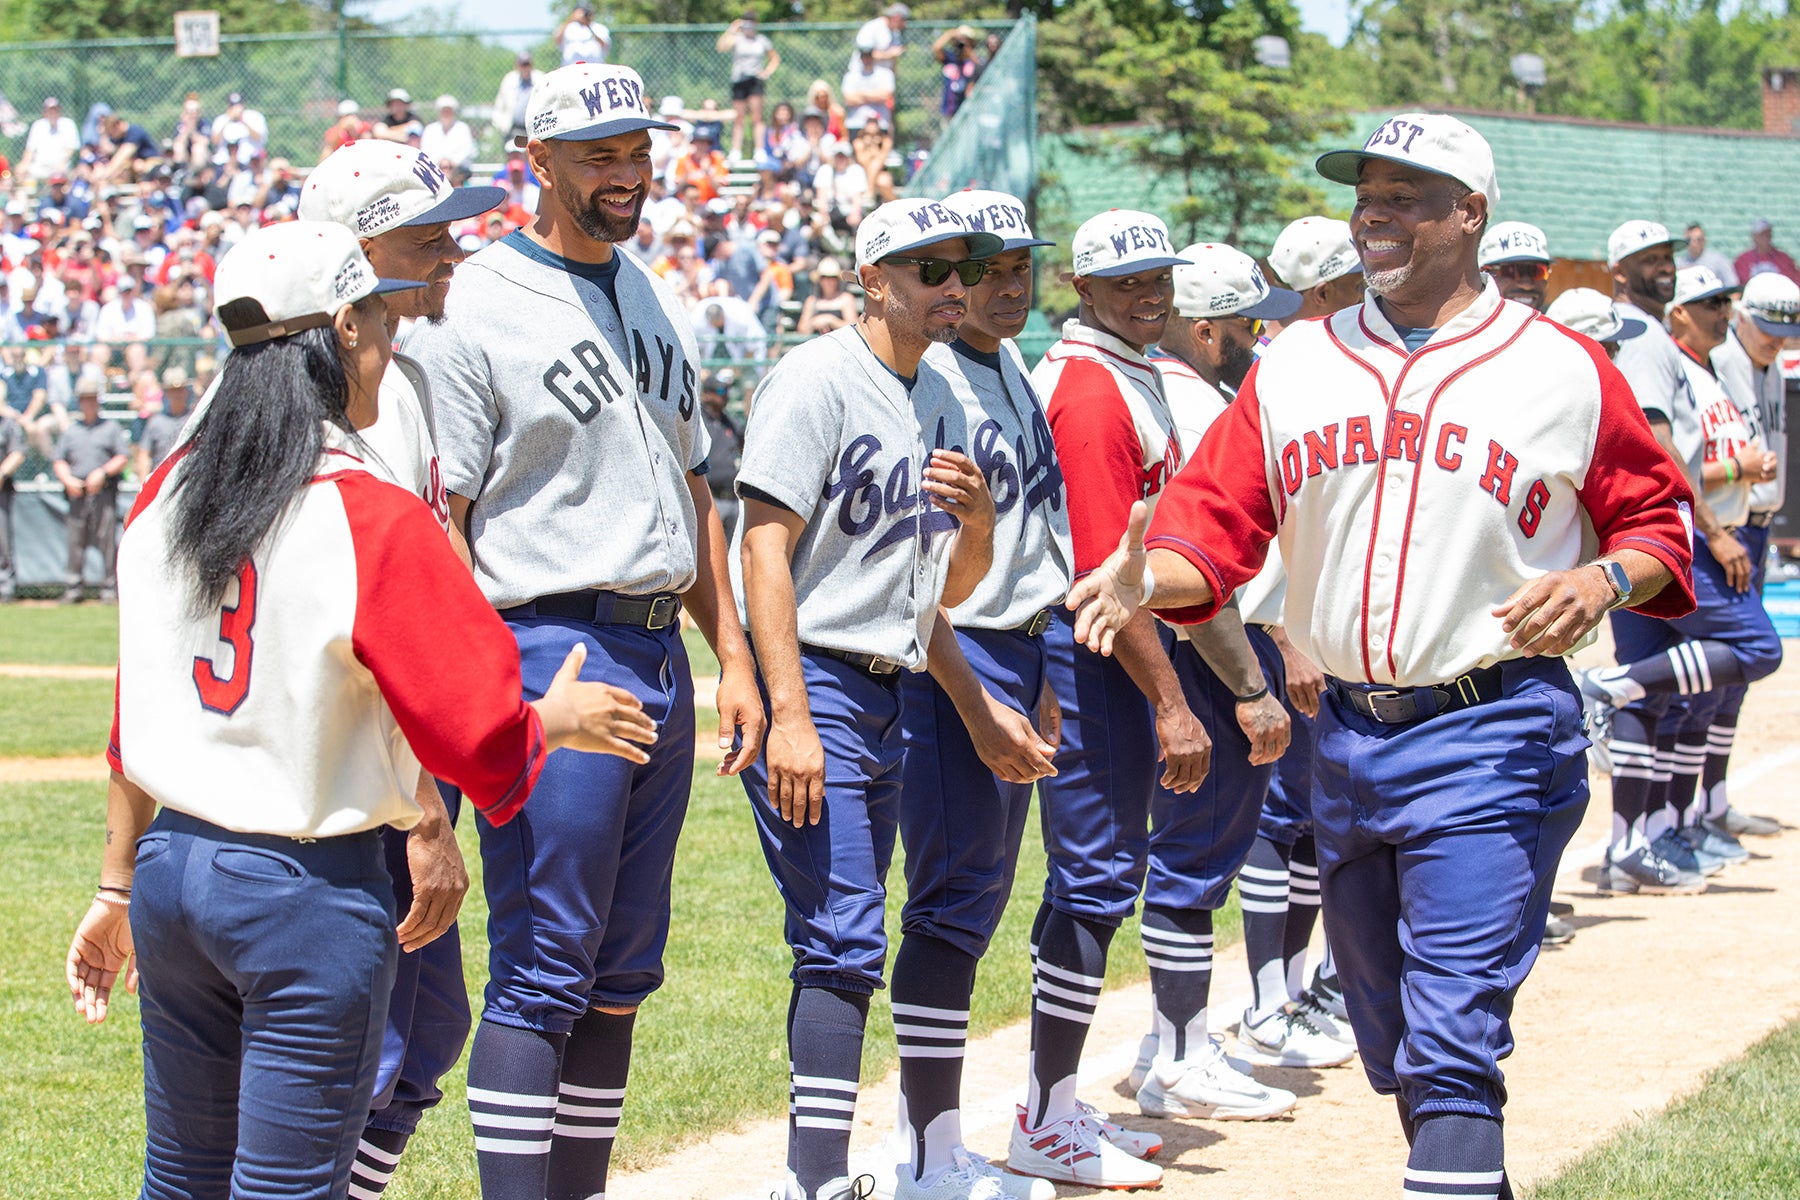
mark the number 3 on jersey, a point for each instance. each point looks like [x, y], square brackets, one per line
[224, 695]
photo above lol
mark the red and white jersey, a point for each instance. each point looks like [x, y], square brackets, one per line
[402, 440]
[351, 641]
[1194, 404]
[1726, 433]
[1413, 494]
[1114, 433]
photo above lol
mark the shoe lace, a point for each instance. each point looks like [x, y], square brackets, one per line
[861, 1188]
[1301, 1014]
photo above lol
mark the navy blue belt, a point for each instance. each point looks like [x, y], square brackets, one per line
[1400, 706]
[595, 607]
[1760, 520]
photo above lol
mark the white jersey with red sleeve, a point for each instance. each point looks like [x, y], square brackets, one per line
[352, 641]
[1115, 436]
[1413, 494]
[1727, 435]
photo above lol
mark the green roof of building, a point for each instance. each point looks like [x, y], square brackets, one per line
[1577, 180]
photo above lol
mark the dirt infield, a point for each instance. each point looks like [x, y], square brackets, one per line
[1652, 993]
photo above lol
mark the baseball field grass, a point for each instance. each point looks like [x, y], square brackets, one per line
[1737, 1138]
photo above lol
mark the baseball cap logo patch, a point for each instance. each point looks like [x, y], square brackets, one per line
[349, 282]
[1394, 132]
[877, 246]
[378, 215]
[543, 122]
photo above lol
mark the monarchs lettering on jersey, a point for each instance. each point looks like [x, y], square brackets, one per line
[1334, 448]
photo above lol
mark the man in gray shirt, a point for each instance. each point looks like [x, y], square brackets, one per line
[162, 430]
[90, 457]
[12, 453]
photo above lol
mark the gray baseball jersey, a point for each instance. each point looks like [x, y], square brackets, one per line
[1034, 556]
[572, 425]
[87, 448]
[842, 441]
[161, 434]
[1761, 393]
[1651, 364]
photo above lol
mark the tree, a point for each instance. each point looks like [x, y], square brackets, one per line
[1200, 108]
[49, 20]
[1458, 53]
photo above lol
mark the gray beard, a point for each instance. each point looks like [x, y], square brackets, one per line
[1385, 283]
[945, 335]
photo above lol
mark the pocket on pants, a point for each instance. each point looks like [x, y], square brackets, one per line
[151, 847]
[255, 865]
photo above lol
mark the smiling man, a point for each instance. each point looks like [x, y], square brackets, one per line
[1430, 461]
[859, 520]
[567, 388]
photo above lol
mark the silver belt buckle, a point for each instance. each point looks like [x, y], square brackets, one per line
[883, 666]
[1392, 716]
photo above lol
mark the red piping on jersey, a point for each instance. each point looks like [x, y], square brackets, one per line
[1376, 337]
[1388, 397]
[1090, 348]
[1413, 500]
[153, 485]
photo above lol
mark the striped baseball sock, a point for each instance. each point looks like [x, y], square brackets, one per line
[1454, 1155]
[1719, 740]
[1659, 813]
[513, 1077]
[1178, 945]
[1687, 668]
[1263, 897]
[1634, 780]
[932, 984]
[825, 1039]
[1303, 912]
[590, 1095]
[1068, 969]
[377, 1154]
[1689, 761]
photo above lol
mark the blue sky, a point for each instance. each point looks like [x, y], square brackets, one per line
[1329, 17]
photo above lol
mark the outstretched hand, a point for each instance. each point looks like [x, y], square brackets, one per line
[595, 717]
[1110, 595]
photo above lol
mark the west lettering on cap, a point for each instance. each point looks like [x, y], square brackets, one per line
[997, 216]
[590, 96]
[1139, 237]
[1395, 132]
[429, 174]
[928, 215]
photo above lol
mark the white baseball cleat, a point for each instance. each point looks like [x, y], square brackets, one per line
[1288, 1037]
[1071, 1150]
[1131, 1141]
[844, 1187]
[1209, 1085]
[972, 1177]
[1141, 1068]
[1327, 1015]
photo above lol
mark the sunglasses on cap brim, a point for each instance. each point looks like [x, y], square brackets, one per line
[934, 271]
[1534, 271]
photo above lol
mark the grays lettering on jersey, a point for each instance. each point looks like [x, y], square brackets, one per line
[1651, 364]
[1034, 555]
[1761, 395]
[836, 437]
[571, 427]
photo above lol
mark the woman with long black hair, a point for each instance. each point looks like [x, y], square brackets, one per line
[296, 639]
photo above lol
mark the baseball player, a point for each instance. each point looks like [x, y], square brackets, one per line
[1417, 458]
[1767, 312]
[980, 725]
[1115, 438]
[1517, 257]
[565, 384]
[1229, 674]
[1278, 888]
[858, 520]
[401, 206]
[317, 595]
[1718, 645]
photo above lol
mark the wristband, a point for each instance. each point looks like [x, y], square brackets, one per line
[1733, 468]
[1149, 586]
[1258, 694]
[123, 891]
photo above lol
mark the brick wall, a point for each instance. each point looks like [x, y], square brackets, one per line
[1781, 100]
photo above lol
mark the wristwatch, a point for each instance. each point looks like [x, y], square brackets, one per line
[1621, 582]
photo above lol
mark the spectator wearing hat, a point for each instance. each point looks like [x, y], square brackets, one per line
[162, 429]
[882, 36]
[830, 307]
[1696, 254]
[65, 197]
[513, 99]
[448, 141]
[349, 127]
[702, 165]
[726, 327]
[399, 123]
[776, 282]
[868, 90]
[50, 144]
[90, 457]
[240, 124]
[178, 318]
[753, 60]
[583, 39]
[1763, 255]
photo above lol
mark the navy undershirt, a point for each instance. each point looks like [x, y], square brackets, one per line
[605, 274]
[990, 361]
[1415, 339]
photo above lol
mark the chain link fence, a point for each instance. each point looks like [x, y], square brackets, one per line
[992, 140]
[296, 80]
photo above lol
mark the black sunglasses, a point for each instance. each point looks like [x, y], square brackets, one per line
[933, 271]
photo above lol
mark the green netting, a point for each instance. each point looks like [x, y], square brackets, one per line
[296, 80]
[992, 140]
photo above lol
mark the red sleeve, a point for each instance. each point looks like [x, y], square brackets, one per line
[1101, 458]
[443, 659]
[113, 757]
[1217, 513]
[1635, 494]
